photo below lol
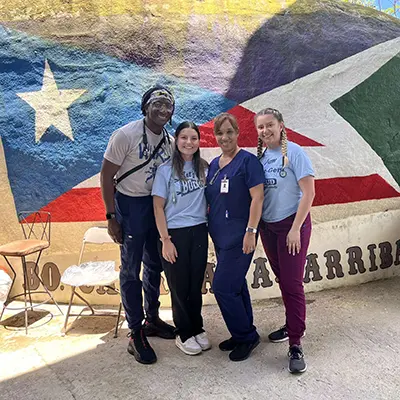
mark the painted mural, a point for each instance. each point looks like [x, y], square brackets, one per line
[73, 72]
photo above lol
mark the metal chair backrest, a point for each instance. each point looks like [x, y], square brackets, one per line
[98, 235]
[94, 235]
[35, 224]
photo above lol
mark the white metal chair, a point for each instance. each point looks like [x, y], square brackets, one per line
[93, 273]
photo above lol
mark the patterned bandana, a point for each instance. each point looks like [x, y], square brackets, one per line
[160, 95]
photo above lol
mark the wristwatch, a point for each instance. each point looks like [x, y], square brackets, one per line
[110, 215]
[251, 230]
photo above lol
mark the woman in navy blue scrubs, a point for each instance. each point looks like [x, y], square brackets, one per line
[235, 193]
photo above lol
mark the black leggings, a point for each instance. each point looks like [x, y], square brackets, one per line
[185, 278]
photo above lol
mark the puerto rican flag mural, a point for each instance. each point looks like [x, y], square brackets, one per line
[60, 104]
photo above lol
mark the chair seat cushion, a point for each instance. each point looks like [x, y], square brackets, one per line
[93, 273]
[24, 247]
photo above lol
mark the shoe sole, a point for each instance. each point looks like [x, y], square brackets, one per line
[159, 334]
[298, 371]
[279, 340]
[284, 339]
[231, 349]
[225, 349]
[248, 355]
[138, 359]
[189, 353]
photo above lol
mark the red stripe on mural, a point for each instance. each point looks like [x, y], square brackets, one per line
[77, 205]
[352, 189]
[248, 133]
[80, 205]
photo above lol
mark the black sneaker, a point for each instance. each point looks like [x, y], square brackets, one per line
[297, 364]
[227, 345]
[158, 327]
[281, 335]
[242, 351]
[140, 348]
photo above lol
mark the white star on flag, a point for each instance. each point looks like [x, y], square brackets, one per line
[51, 105]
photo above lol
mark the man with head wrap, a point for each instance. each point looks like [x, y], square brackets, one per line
[130, 162]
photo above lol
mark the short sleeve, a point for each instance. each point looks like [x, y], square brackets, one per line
[160, 184]
[254, 173]
[118, 147]
[302, 166]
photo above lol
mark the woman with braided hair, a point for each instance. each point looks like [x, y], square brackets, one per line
[285, 227]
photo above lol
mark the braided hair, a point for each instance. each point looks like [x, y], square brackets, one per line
[284, 139]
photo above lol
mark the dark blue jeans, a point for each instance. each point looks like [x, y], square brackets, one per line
[140, 237]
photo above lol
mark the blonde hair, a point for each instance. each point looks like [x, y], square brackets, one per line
[284, 140]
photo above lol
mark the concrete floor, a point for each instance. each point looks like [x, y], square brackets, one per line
[351, 348]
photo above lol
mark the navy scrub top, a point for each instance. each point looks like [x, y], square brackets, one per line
[229, 212]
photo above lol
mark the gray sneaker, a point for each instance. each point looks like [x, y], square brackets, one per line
[297, 364]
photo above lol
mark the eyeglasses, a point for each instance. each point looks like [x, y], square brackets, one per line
[158, 105]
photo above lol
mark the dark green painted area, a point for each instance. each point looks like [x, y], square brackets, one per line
[373, 109]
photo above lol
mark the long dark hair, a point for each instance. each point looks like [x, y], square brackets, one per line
[200, 165]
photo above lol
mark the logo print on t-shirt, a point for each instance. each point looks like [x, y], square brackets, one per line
[158, 159]
[151, 172]
[190, 185]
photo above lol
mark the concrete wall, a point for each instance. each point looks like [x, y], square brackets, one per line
[71, 73]
[343, 252]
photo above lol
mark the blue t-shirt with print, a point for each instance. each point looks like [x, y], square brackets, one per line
[185, 200]
[282, 192]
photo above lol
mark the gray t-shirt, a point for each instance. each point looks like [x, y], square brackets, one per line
[185, 200]
[282, 192]
[126, 149]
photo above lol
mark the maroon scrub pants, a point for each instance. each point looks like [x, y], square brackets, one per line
[289, 269]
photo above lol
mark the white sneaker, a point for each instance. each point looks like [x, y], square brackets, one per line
[190, 347]
[203, 341]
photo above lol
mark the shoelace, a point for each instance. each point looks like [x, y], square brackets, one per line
[142, 336]
[297, 354]
[144, 341]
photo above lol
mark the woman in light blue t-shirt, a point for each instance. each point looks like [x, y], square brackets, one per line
[181, 216]
[285, 226]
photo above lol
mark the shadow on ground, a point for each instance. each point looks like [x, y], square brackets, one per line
[351, 345]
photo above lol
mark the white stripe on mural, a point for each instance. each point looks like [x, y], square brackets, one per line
[305, 105]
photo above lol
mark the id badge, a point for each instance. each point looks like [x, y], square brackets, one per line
[225, 185]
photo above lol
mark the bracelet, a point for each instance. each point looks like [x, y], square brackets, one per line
[165, 238]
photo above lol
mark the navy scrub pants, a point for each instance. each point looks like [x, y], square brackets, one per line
[140, 237]
[232, 294]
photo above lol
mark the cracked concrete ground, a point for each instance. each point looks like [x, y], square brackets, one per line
[351, 346]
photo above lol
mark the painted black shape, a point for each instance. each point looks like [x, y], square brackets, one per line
[355, 261]
[208, 278]
[296, 43]
[372, 257]
[312, 266]
[397, 260]
[333, 263]
[385, 255]
[261, 272]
